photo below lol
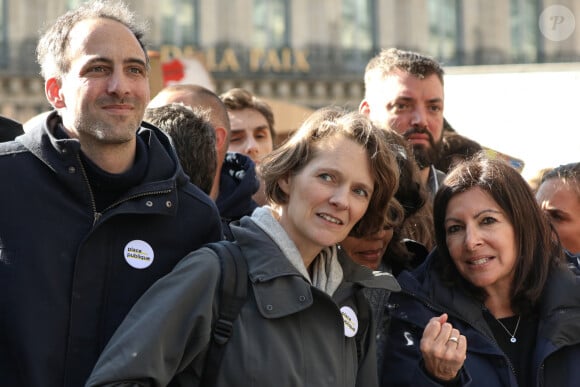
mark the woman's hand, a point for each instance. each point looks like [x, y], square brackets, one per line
[443, 348]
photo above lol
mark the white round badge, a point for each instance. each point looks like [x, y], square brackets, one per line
[350, 321]
[139, 254]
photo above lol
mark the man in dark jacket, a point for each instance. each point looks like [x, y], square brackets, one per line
[94, 205]
[235, 180]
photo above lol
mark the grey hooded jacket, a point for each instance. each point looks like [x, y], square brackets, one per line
[288, 333]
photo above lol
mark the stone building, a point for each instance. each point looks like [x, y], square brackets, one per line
[308, 52]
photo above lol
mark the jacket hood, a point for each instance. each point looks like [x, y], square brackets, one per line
[36, 140]
[560, 304]
[238, 183]
[262, 267]
[62, 155]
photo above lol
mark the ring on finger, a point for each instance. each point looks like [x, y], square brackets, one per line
[454, 339]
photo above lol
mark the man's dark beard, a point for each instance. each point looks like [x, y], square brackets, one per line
[424, 157]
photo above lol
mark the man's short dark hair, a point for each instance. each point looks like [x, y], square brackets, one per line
[389, 60]
[193, 138]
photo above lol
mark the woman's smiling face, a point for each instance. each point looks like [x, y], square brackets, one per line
[481, 240]
[328, 196]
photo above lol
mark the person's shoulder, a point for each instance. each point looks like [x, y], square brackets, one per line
[11, 147]
[203, 256]
[197, 196]
[9, 129]
[353, 272]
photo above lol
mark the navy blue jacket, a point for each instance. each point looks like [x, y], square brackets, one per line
[238, 183]
[556, 355]
[69, 275]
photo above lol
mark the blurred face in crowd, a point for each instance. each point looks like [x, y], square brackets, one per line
[411, 106]
[102, 98]
[561, 202]
[481, 241]
[368, 250]
[250, 134]
[328, 196]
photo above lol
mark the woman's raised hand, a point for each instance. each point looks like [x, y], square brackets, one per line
[444, 348]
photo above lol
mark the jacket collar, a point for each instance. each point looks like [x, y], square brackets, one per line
[278, 287]
[61, 155]
[559, 303]
[560, 307]
[425, 284]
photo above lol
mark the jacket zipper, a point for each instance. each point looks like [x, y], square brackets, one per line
[97, 215]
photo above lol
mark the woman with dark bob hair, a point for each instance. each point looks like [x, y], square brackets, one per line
[493, 304]
[305, 321]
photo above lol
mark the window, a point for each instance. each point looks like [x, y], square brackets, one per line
[444, 33]
[524, 30]
[357, 32]
[4, 59]
[72, 4]
[271, 26]
[179, 22]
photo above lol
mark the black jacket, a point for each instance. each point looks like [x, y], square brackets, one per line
[557, 346]
[69, 275]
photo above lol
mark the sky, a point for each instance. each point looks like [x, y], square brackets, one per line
[530, 115]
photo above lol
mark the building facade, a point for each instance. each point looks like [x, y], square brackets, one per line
[309, 52]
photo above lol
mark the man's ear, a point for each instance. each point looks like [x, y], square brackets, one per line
[53, 93]
[364, 108]
[220, 138]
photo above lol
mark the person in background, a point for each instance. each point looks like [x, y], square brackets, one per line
[386, 249]
[235, 181]
[404, 92]
[559, 197]
[193, 137]
[95, 206]
[302, 324]
[391, 249]
[253, 133]
[455, 148]
[493, 304]
[9, 129]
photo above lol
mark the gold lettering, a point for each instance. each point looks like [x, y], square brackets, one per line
[255, 56]
[211, 61]
[169, 52]
[259, 59]
[286, 59]
[272, 61]
[301, 61]
[229, 61]
[190, 52]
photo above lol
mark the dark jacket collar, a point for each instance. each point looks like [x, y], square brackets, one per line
[266, 261]
[61, 154]
[561, 296]
[238, 183]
